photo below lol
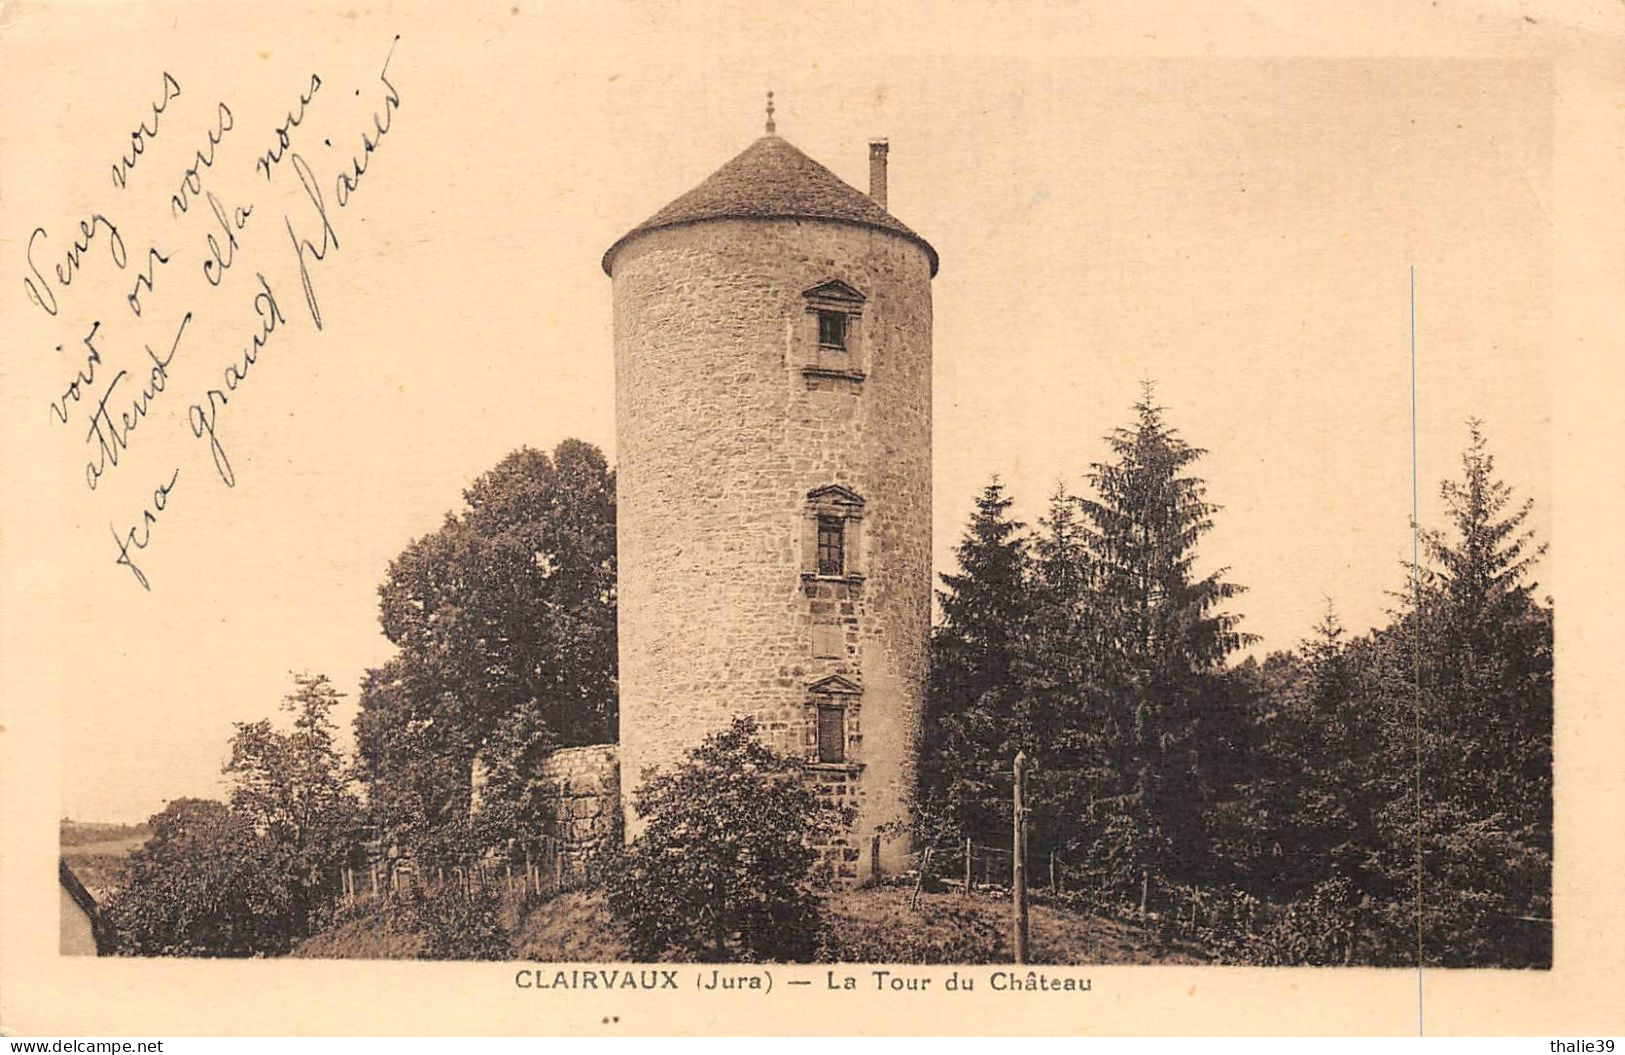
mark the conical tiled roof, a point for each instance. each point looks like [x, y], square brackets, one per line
[773, 180]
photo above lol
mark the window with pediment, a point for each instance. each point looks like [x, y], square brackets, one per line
[833, 331]
[833, 519]
[832, 705]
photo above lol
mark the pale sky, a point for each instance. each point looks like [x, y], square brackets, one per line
[1240, 230]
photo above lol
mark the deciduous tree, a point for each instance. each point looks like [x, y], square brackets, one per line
[292, 787]
[505, 623]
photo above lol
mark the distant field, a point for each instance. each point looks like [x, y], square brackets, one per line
[119, 847]
[98, 853]
[88, 833]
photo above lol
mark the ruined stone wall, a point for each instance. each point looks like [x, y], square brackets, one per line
[582, 798]
[728, 414]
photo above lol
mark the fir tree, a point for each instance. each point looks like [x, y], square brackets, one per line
[1484, 570]
[1143, 530]
[1054, 667]
[984, 606]
[1164, 642]
[1313, 757]
[1477, 696]
[1057, 685]
[971, 693]
[1491, 641]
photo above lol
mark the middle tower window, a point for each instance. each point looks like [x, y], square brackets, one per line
[831, 546]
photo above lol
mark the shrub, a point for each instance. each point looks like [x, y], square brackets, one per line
[462, 925]
[723, 869]
[205, 884]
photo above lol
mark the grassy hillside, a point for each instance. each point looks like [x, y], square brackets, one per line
[380, 935]
[575, 926]
[862, 926]
[877, 926]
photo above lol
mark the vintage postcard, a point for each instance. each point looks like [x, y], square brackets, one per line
[659, 518]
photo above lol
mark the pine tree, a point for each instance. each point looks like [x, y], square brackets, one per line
[1483, 571]
[1472, 681]
[1057, 686]
[1165, 641]
[1143, 531]
[1061, 563]
[984, 606]
[1491, 640]
[1256, 824]
[1320, 756]
[967, 748]
[1054, 667]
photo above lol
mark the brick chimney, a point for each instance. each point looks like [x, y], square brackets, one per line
[877, 171]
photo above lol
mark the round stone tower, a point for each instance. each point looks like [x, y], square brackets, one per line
[773, 434]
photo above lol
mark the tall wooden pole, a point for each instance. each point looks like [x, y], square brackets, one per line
[1018, 853]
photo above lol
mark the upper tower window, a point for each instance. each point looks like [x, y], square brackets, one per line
[832, 330]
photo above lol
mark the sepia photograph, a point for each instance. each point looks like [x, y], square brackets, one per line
[997, 499]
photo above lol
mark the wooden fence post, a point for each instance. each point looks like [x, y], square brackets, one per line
[1145, 891]
[919, 882]
[967, 865]
[874, 859]
[1018, 853]
[1052, 871]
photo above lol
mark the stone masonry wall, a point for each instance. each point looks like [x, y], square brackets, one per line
[582, 800]
[721, 434]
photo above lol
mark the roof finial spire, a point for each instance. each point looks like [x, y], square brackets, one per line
[771, 127]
